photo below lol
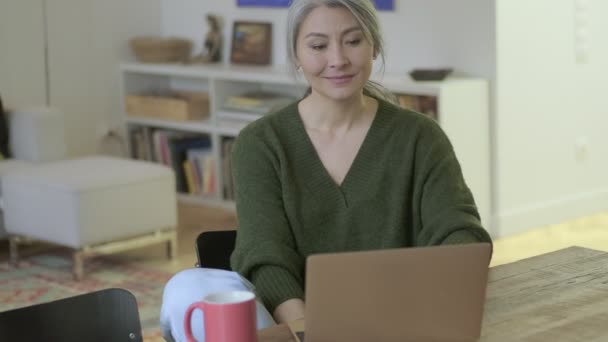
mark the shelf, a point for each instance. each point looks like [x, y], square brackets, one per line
[231, 127]
[204, 126]
[396, 82]
[234, 115]
[238, 73]
[462, 108]
[404, 84]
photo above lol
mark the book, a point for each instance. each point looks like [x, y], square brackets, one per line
[197, 158]
[428, 105]
[189, 176]
[141, 144]
[419, 103]
[260, 102]
[178, 147]
[408, 101]
[209, 174]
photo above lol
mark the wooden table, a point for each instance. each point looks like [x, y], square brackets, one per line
[559, 296]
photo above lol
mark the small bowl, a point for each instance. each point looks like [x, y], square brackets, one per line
[429, 74]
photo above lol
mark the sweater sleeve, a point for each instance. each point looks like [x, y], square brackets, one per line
[446, 207]
[265, 251]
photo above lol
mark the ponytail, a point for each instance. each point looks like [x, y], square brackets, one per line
[376, 90]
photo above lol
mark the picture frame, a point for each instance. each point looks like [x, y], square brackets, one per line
[251, 43]
[385, 5]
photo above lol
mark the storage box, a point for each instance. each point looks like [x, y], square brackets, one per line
[179, 106]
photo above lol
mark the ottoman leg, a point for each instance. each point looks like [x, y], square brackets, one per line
[78, 265]
[172, 247]
[13, 242]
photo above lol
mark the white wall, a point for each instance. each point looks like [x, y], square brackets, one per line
[22, 71]
[546, 102]
[419, 33]
[87, 40]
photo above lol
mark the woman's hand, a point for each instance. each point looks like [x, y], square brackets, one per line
[289, 310]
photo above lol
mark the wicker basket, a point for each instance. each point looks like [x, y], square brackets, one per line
[160, 50]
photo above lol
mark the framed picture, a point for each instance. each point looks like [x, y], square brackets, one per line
[385, 5]
[382, 5]
[251, 43]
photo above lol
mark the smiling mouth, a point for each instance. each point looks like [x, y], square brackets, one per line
[340, 80]
[343, 77]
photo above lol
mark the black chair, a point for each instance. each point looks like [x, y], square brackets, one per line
[213, 249]
[106, 315]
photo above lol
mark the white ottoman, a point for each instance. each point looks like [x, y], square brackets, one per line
[37, 134]
[95, 205]
[6, 166]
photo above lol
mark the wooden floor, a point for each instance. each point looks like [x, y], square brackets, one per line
[192, 220]
[591, 232]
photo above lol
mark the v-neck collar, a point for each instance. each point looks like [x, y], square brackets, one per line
[318, 176]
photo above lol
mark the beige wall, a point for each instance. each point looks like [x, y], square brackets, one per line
[22, 71]
[551, 118]
[87, 40]
[90, 41]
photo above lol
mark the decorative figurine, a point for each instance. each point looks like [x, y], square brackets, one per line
[212, 46]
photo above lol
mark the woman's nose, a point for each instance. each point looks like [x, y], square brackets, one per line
[337, 58]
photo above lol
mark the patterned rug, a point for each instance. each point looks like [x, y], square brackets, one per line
[46, 277]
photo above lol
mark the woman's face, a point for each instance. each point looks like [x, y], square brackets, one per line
[335, 57]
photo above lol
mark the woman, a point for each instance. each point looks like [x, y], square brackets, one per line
[342, 169]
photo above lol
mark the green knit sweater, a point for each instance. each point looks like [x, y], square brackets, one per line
[404, 188]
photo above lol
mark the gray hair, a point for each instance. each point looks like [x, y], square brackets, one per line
[364, 13]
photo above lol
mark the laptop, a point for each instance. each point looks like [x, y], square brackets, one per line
[406, 294]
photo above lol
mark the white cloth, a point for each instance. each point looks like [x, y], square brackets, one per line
[192, 285]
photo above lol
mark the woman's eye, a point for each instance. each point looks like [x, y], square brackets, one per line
[318, 47]
[354, 42]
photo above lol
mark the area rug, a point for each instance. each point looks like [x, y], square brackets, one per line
[46, 277]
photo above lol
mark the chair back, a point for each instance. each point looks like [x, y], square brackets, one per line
[106, 315]
[37, 134]
[4, 152]
[213, 249]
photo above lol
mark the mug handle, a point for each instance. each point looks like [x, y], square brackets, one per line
[188, 318]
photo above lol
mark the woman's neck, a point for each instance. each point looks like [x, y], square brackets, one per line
[326, 115]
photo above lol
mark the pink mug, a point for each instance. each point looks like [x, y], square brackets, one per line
[228, 317]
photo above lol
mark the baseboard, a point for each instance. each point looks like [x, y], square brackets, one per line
[551, 212]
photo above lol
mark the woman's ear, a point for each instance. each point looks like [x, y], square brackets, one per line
[297, 64]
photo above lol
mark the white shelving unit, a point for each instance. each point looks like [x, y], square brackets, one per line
[463, 112]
